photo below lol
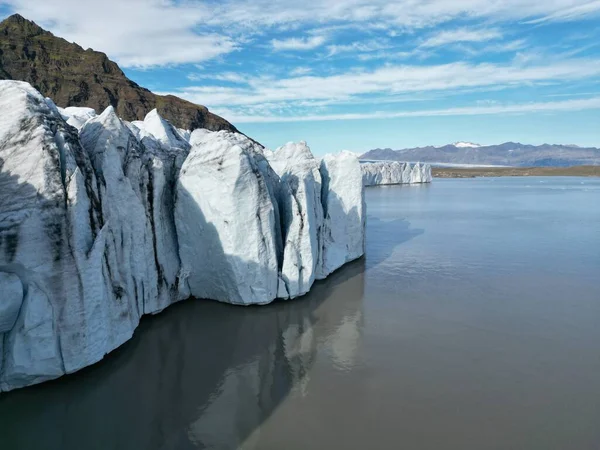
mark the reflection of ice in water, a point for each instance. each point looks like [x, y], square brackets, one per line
[244, 396]
[299, 347]
[234, 407]
[249, 393]
[345, 341]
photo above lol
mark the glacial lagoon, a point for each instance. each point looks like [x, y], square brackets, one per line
[473, 322]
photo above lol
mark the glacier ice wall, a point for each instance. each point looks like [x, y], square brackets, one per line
[344, 210]
[103, 221]
[226, 222]
[302, 220]
[394, 172]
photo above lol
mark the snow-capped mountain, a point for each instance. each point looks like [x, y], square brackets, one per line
[507, 154]
[466, 145]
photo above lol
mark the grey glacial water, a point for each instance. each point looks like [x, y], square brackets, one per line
[473, 323]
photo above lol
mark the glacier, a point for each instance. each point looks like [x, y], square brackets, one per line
[104, 221]
[226, 221]
[302, 217]
[344, 211]
[394, 172]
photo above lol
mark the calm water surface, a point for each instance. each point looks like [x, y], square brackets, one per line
[473, 323]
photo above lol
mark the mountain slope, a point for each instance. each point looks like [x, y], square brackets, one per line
[72, 76]
[507, 154]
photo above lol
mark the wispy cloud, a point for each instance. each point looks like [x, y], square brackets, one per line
[145, 33]
[394, 80]
[358, 47]
[461, 35]
[577, 11]
[492, 47]
[307, 43]
[493, 109]
[300, 71]
[574, 94]
[400, 13]
[231, 77]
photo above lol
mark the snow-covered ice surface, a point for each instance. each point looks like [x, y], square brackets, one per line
[76, 116]
[155, 126]
[395, 172]
[103, 221]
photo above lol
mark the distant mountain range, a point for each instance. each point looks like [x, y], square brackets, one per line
[507, 154]
[72, 76]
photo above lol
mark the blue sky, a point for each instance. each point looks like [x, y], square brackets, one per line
[358, 74]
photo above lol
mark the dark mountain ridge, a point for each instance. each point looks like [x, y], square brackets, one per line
[506, 154]
[72, 76]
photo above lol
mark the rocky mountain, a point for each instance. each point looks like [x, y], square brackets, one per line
[72, 76]
[507, 154]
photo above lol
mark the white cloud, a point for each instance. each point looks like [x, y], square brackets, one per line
[230, 77]
[577, 11]
[492, 47]
[494, 109]
[391, 80]
[298, 43]
[461, 35]
[574, 94]
[299, 71]
[404, 13]
[509, 46]
[160, 32]
[373, 45]
[138, 33]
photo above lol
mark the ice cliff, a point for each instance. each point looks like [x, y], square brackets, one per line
[394, 172]
[103, 221]
[323, 214]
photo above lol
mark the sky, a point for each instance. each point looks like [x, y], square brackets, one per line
[358, 74]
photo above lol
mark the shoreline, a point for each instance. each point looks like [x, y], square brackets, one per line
[476, 172]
